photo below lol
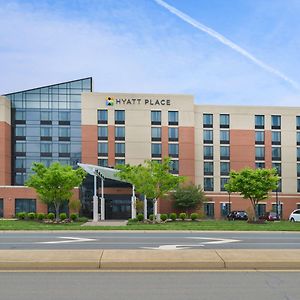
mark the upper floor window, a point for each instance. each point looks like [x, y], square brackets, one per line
[207, 120]
[120, 149]
[224, 168]
[119, 161]
[173, 134]
[102, 133]
[298, 138]
[259, 165]
[64, 148]
[207, 136]
[224, 121]
[46, 147]
[156, 150]
[298, 153]
[208, 168]
[64, 133]
[224, 152]
[119, 133]
[156, 133]
[208, 184]
[20, 115]
[173, 117]
[20, 131]
[174, 167]
[208, 152]
[224, 136]
[102, 116]
[64, 118]
[275, 122]
[103, 162]
[20, 147]
[277, 166]
[119, 116]
[102, 149]
[276, 137]
[298, 122]
[298, 169]
[259, 121]
[156, 117]
[260, 153]
[46, 117]
[223, 181]
[259, 137]
[276, 153]
[173, 150]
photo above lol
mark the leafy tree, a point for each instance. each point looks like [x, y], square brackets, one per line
[152, 179]
[188, 196]
[254, 185]
[54, 184]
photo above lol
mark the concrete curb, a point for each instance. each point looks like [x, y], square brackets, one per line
[149, 259]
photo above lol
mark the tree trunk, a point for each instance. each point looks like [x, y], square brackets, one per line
[154, 215]
[56, 212]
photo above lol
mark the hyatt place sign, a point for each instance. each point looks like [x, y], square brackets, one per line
[110, 101]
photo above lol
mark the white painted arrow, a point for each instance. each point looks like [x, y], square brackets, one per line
[70, 240]
[214, 241]
[173, 247]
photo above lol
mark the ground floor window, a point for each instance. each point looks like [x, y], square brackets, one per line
[260, 209]
[1, 208]
[209, 210]
[280, 207]
[25, 205]
[225, 209]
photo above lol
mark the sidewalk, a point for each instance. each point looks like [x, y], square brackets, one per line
[150, 259]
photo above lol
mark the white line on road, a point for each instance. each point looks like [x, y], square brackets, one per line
[70, 240]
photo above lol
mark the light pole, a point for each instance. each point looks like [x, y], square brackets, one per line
[229, 203]
[277, 204]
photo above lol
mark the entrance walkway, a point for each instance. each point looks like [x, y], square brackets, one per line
[106, 223]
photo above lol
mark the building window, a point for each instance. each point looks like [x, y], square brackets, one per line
[64, 149]
[20, 116]
[103, 162]
[156, 117]
[174, 167]
[208, 152]
[20, 132]
[277, 166]
[156, 134]
[102, 116]
[259, 122]
[225, 209]
[276, 137]
[119, 116]
[173, 117]
[120, 149]
[102, 149]
[298, 122]
[280, 207]
[46, 133]
[64, 133]
[173, 134]
[173, 150]
[259, 137]
[275, 122]
[208, 184]
[46, 149]
[207, 136]
[20, 178]
[208, 168]
[298, 153]
[25, 205]
[20, 148]
[260, 209]
[46, 118]
[20, 164]
[223, 181]
[259, 165]
[224, 152]
[298, 169]
[276, 153]
[64, 118]
[120, 133]
[224, 168]
[209, 210]
[156, 150]
[64, 162]
[120, 162]
[102, 133]
[207, 120]
[298, 138]
[224, 121]
[260, 153]
[224, 137]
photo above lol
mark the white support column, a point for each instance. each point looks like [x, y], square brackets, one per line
[145, 208]
[133, 200]
[155, 207]
[95, 201]
[102, 203]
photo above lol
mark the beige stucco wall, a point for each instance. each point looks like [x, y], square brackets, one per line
[5, 110]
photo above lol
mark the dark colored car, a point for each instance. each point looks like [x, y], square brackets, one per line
[237, 215]
[269, 216]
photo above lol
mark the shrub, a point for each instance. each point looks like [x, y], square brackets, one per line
[182, 216]
[151, 217]
[163, 217]
[62, 216]
[140, 217]
[82, 219]
[51, 216]
[194, 216]
[31, 216]
[22, 215]
[73, 217]
[173, 216]
[41, 216]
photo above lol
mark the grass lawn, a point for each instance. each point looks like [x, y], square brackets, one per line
[179, 225]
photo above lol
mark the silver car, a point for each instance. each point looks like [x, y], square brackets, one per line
[295, 216]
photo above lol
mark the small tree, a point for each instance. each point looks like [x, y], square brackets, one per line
[54, 184]
[188, 197]
[254, 185]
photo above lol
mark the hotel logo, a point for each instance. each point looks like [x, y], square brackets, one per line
[109, 101]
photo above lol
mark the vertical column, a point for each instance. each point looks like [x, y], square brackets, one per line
[89, 153]
[145, 207]
[111, 145]
[133, 202]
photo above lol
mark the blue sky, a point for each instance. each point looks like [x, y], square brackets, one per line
[139, 46]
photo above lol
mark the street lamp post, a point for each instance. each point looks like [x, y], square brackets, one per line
[229, 203]
[277, 204]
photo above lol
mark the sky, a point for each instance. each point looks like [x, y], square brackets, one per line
[141, 46]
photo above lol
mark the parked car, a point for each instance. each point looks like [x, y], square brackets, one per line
[295, 216]
[270, 216]
[237, 215]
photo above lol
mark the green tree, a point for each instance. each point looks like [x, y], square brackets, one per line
[54, 184]
[254, 185]
[152, 179]
[188, 197]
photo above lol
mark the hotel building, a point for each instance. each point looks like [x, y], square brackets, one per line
[70, 123]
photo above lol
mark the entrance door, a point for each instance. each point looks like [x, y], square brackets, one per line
[1, 208]
[117, 208]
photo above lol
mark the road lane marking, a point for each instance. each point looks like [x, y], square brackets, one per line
[70, 240]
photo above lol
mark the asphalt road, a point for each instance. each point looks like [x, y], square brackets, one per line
[150, 285]
[149, 240]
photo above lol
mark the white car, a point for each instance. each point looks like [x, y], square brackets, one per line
[295, 216]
